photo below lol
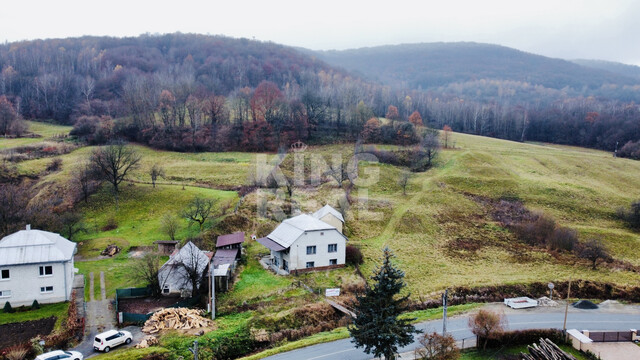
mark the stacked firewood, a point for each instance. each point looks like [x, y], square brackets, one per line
[177, 319]
[148, 340]
[547, 350]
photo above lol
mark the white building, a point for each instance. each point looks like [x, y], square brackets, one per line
[305, 243]
[35, 265]
[188, 262]
[331, 216]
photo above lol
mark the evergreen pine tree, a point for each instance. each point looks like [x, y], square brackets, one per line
[7, 308]
[35, 305]
[377, 327]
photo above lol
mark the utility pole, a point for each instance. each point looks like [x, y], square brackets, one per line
[194, 350]
[444, 312]
[212, 292]
[615, 153]
[566, 309]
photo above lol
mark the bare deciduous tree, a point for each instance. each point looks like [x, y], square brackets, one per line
[156, 172]
[84, 179]
[403, 181]
[114, 162]
[593, 250]
[192, 263]
[170, 225]
[146, 269]
[199, 210]
[72, 224]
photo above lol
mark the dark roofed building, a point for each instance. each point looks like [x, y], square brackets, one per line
[166, 247]
[230, 241]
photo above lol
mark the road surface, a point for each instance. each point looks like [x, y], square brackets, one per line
[615, 317]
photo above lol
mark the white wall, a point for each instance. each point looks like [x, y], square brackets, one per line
[298, 254]
[25, 283]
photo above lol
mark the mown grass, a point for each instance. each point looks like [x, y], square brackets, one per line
[58, 310]
[45, 130]
[132, 353]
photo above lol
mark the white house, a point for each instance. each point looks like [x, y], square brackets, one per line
[35, 265]
[188, 262]
[331, 216]
[305, 243]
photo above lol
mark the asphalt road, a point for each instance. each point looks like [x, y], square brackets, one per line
[621, 318]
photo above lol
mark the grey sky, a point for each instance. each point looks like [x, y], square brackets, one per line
[567, 29]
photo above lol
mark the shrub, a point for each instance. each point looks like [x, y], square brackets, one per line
[486, 325]
[563, 238]
[630, 150]
[111, 224]
[525, 337]
[437, 347]
[54, 165]
[7, 308]
[18, 352]
[35, 305]
[631, 216]
[353, 255]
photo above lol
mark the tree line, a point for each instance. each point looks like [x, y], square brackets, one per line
[188, 92]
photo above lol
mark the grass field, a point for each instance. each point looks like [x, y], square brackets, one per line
[44, 130]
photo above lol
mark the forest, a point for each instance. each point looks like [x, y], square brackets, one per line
[188, 92]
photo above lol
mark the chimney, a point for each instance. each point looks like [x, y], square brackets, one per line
[28, 226]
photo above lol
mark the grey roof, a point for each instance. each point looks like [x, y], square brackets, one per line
[230, 239]
[291, 229]
[35, 246]
[327, 210]
[221, 270]
[191, 256]
[225, 256]
[270, 244]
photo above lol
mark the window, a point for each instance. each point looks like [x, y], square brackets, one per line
[310, 264]
[46, 289]
[5, 293]
[4, 274]
[321, 233]
[333, 247]
[165, 289]
[333, 262]
[311, 250]
[46, 270]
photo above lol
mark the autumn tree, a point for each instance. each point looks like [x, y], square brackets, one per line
[264, 101]
[9, 121]
[392, 113]
[156, 172]
[415, 118]
[371, 131]
[446, 135]
[377, 326]
[84, 179]
[403, 181]
[166, 105]
[485, 325]
[114, 162]
[199, 210]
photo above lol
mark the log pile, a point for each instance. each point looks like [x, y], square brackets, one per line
[111, 250]
[176, 319]
[147, 341]
[547, 350]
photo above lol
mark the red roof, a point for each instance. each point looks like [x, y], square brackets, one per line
[230, 239]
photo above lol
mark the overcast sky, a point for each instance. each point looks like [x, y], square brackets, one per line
[566, 29]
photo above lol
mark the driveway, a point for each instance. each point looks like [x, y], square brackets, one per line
[100, 317]
[616, 350]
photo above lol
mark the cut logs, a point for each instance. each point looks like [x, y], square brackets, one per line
[547, 350]
[148, 340]
[176, 319]
[111, 250]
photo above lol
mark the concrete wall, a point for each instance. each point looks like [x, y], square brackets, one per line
[25, 284]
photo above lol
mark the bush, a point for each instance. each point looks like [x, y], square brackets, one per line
[631, 216]
[353, 255]
[7, 308]
[35, 305]
[437, 347]
[18, 352]
[563, 238]
[111, 224]
[630, 150]
[54, 165]
[524, 337]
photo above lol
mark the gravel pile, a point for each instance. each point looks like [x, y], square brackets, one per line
[545, 301]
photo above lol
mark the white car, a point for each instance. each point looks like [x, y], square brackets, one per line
[110, 339]
[59, 354]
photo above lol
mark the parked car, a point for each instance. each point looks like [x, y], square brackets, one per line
[110, 339]
[59, 354]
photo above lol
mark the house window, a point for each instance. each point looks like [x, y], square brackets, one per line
[4, 274]
[311, 250]
[46, 289]
[5, 293]
[165, 289]
[333, 248]
[46, 270]
[321, 233]
[333, 262]
[310, 264]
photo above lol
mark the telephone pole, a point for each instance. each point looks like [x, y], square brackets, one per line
[566, 309]
[444, 312]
